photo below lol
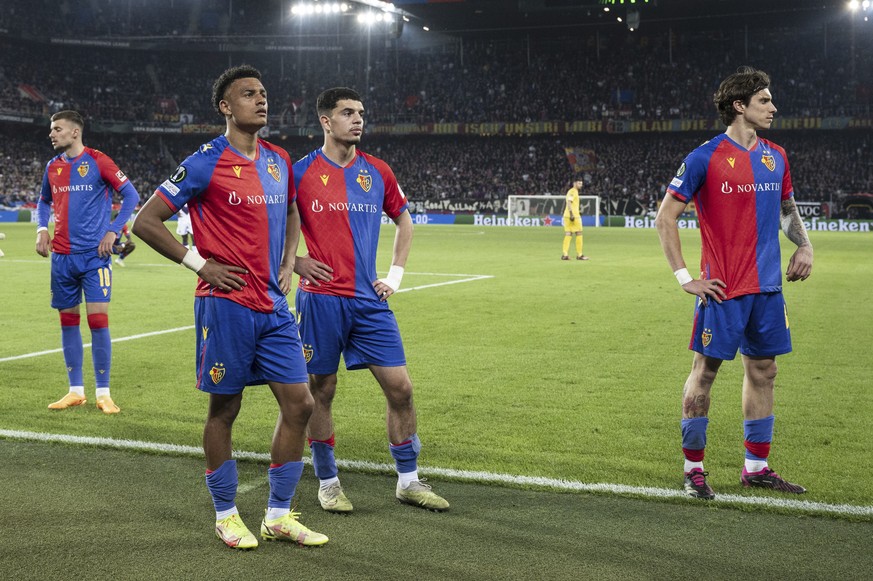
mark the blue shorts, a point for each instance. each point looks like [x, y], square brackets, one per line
[757, 325]
[237, 346]
[363, 331]
[73, 274]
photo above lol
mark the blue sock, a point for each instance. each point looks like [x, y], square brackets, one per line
[406, 454]
[283, 483]
[222, 485]
[758, 434]
[323, 461]
[101, 347]
[694, 433]
[71, 341]
[694, 438]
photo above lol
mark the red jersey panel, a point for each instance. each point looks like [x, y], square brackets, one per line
[341, 214]
[239, 210]
[738, 195]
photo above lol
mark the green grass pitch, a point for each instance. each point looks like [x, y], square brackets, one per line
[523, 365]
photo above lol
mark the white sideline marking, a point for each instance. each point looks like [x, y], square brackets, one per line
[470, 278]
[463, 475]
[86, 345]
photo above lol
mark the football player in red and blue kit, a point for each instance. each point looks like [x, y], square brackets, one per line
[742, 191]
[240, 193]
[341, 305]
[79, 184]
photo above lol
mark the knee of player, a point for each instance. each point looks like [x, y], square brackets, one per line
[762, 374]
[400, 393]
[305, 405]
[322, 388]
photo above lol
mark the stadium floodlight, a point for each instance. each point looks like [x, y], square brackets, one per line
[370, 18]
[320, 8]
[853, 5]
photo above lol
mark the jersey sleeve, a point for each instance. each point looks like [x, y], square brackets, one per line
[292, 190]
[109, 170]
[44, 202]
[395, 201]
[787, 185]
[188, 181]
[689, 177]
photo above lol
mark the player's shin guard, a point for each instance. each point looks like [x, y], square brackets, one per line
[71, 342]
[565, 248]
[757, 435]
[694, 438]
[406, 454]
[578, 244]
[323, 461]
[101, 347]
[283, 483]
[222, 484]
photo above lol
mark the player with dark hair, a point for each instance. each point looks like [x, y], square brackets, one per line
[741, 186]
[79, 183]
[240, 191]
[573, 222]
[342, 307]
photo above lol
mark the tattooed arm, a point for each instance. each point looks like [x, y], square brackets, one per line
[800, 265]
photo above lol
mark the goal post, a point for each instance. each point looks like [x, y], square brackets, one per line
[540, 206]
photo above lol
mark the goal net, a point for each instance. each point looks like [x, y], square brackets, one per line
[552, 206]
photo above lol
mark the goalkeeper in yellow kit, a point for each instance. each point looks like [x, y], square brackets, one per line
[573, 222]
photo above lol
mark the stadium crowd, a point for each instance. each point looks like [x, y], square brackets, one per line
[631, 172]
[593, 75]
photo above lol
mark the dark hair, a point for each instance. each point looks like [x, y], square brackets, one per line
[740, 86]
[70, 115]
[327, 101]
[219, 87]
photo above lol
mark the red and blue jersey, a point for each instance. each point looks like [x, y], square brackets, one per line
[239, 211]
[80, 190]
[341, 214]
[738, 196]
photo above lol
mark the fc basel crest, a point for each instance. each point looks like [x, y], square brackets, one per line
[707, 337]
[365, 180]
[273, 168]
[217, 373]
[769, 161]
[83, 169]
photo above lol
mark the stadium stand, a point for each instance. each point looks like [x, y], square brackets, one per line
[152, 78]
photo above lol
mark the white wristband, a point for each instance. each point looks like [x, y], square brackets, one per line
[41, 228]
[682, 276]
[395, 275]
[193, 261]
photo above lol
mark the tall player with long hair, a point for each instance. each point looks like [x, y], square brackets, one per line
[741, 186]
